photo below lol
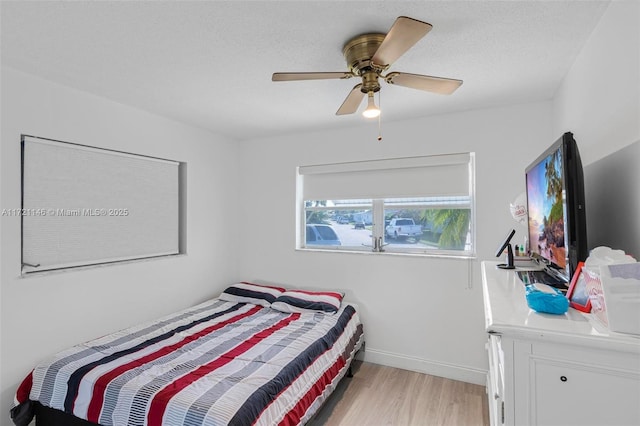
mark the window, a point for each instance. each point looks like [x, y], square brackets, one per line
[420, 205]
[83, 206]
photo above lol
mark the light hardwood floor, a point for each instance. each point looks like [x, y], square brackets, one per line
[379, 395]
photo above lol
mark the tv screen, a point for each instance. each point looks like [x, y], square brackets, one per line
[555, 205]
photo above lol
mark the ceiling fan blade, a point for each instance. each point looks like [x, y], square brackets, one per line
[404, 33]
[352, 102]
[443, 86]
[294, 76]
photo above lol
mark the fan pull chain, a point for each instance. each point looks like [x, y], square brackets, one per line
[379, 119]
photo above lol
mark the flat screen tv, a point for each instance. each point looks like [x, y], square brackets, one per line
[556, 209]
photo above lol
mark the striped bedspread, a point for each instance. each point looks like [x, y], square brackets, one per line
[216, 363]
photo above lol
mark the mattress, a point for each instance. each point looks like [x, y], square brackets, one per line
[216, 363]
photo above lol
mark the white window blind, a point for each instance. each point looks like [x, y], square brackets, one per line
[401, 177]
[84, 205]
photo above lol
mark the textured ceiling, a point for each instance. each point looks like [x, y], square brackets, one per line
[209, 63]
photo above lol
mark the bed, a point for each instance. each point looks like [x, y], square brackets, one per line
[254, 355]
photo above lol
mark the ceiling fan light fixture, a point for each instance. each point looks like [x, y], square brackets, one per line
[372, 110]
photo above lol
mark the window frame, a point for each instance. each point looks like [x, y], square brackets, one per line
[378, 207]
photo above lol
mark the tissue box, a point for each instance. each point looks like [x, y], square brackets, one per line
[621, 291]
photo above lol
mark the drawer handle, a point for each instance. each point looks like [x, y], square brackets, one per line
[563, 378]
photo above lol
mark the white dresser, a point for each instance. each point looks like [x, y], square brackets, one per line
[555, 369]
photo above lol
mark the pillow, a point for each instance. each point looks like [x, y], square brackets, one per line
[244, 292]
[308, 301]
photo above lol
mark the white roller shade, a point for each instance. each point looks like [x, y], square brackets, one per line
[85, 205]
[402, 177]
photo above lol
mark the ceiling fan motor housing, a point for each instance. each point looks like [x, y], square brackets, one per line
[358, 52]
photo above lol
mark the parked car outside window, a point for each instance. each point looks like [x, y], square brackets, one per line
[321, 235]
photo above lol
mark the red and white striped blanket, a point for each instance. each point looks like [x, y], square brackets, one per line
[216, 363]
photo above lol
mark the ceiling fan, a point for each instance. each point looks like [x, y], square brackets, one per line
[368, 56]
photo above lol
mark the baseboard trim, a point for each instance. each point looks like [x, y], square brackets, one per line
[434, 368]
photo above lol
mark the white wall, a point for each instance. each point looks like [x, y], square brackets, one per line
[44, 314]
[424, 314]
[599, 99]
